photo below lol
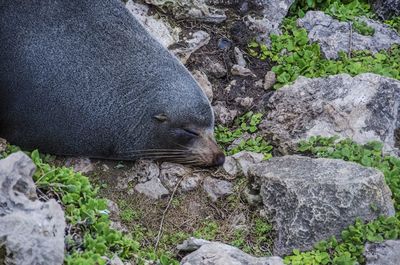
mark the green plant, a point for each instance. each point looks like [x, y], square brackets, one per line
[344, 10]
[208, 231]
[295, 57]
[128, 215]
[394, 23]
[256, 239]
[87, 217]
[363, 28]
[248, 123]
[349, 250]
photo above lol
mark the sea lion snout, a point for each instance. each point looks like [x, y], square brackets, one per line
[219, 159]
[207, 150]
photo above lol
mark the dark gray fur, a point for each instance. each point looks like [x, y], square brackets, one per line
[83, 77]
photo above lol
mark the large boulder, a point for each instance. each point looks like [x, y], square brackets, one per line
[312, 199]
[386, 9]
[334, 36]
[384, 253]
[31, 231]
[214, 253]
[363, 108]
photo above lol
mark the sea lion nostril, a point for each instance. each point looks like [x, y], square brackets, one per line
[219, 160]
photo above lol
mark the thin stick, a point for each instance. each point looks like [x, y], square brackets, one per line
[160, 230]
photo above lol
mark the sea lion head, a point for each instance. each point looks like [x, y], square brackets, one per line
[180, 125]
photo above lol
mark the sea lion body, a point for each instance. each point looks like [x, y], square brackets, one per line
[85, 78]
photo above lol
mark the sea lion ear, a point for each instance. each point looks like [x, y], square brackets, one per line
[161, 117]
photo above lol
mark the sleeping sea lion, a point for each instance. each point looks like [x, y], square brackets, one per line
[84, 78]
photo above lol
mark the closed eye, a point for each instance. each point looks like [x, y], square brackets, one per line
[191, 132]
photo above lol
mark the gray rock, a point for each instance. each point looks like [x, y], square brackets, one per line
[192, 244]
[160, 29]
[113, 207]
[171, 173]
[205, 85]
[223, 115]
[241, 71]
[31, 231]
[214, 68]
[363, 108]
[192, 44]
[80, 164]
[191, 9]
[385, 253]
[269, 80]
[246, 102]
[273, 14]
[386, 9]
[190, 183]
[239, 57]
[221, 254]
[334, 36]
[239, 163]
[312, 199]
[152, 188]
[142, 171]
[217, 188]
[116, 261]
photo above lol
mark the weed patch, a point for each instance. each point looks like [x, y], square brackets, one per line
[248, 123]
[295, 56]
[89, 236]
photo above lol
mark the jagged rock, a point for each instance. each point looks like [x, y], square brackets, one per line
[161, 30]
[171, 173]
[116, 261]
[80, 164]
[197, 40]
[363, 108]
[31, 231]
[192, 244]
[190, 183]
[244, 102]
[334, 36]
[239, 57]
[312, 199]
[112, 207]
[223, 115]
[259, 83]
[191, 9]
[384, 253]
[239, 163]
[142, 171]
[273, 14]
[269, 80]
[220, 254]
[217, 188]
[152, 188]
[241, 71]
[205, 85]
[214, 68]
[386, 9]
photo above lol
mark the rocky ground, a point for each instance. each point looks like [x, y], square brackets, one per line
[253, 210]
